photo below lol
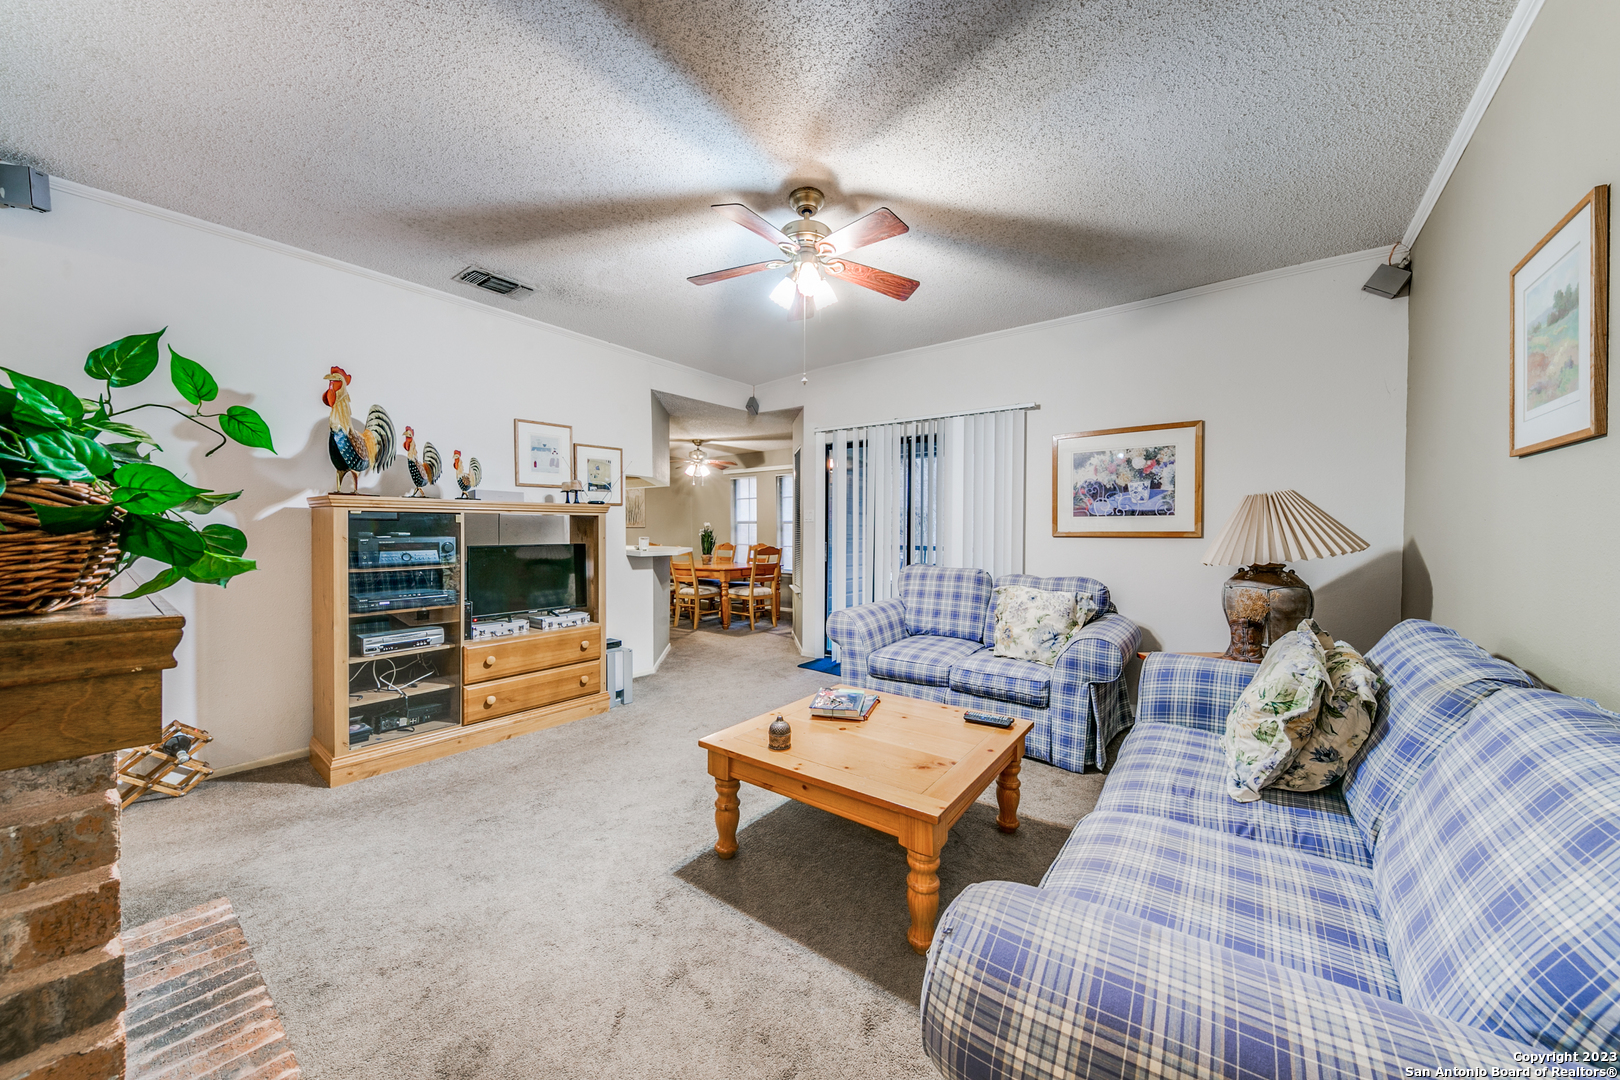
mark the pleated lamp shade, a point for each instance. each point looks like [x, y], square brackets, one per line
[1280, 527]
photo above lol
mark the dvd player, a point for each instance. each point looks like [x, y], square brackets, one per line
[373, 642]
[403, 601]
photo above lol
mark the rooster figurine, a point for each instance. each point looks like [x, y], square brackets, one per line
[355, 449]
[467, 477]
[424, 470]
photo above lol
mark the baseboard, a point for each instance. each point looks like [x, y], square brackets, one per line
[259, 763]
[657, 663]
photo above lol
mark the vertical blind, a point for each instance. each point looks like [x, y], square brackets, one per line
[944, 490]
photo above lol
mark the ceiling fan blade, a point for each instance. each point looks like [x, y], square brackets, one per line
[880, 224]
[735, 271]
[881, 281]
[752, 222]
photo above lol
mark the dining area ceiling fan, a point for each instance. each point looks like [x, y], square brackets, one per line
[816, 253]
[699, 464]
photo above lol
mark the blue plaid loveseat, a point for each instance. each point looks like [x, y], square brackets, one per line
[1450, 904]
[933, 642]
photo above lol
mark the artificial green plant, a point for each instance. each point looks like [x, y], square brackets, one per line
[46, 430]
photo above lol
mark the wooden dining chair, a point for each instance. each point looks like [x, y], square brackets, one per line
[690, 593]
[763, 587]
[723, 553]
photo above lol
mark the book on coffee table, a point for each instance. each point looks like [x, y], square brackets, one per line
[843, 703]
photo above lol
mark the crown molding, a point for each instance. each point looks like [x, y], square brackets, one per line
[1518, 28]
[60, 186]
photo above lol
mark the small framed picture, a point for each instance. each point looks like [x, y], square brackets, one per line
[1559, 328]
[601, 470]
[1132, 481]
[635, 508]
[544, 453]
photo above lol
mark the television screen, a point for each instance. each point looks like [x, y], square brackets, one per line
[517, 579]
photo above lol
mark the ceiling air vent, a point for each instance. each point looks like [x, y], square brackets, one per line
[474, 275]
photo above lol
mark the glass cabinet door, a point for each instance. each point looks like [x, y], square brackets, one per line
[405, 587]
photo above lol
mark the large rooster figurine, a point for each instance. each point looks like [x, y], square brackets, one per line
[355, 449]
[467, 477]
[425, 470]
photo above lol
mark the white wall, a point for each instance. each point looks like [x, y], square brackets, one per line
[269, 321]
[1299, 376]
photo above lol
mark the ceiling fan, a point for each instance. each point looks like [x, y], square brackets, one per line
[699, 464]
[814, 252]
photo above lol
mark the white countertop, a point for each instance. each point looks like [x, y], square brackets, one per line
[656, 551]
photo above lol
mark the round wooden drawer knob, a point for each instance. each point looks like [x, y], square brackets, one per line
[489, 661]
[584, 645]
[584, 679]
[489, 701]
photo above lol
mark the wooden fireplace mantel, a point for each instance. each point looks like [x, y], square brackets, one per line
[84, 681]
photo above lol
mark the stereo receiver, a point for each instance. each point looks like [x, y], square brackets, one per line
[402, 550]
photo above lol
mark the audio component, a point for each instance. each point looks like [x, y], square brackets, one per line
[25, 188]
[376, 642]
[403, 550]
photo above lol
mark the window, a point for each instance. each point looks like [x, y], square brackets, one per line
[784, 520]
[744, 512]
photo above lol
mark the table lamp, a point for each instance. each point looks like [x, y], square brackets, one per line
[1265, 599]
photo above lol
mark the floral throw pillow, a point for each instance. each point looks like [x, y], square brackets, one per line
[1349, 705]
[1276, 714]
[1033, 624]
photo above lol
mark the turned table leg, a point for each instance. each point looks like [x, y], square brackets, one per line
[1007, 796]
[725, 817]
[922, 897]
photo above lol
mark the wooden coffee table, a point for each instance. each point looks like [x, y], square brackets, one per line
[911, 770]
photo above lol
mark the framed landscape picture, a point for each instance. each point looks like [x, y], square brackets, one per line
[1558, 320]
[601, 470]
[1133, 481]
[544, 453]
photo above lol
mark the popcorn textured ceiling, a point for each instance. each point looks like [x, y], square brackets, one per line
[1050, 157]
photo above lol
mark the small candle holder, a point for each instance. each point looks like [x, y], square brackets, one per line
[781, 733]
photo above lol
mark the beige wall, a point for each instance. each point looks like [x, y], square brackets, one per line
[1518, 554]
[1299, 376]
[675, 514]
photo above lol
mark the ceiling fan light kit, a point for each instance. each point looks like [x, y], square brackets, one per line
[813, 250]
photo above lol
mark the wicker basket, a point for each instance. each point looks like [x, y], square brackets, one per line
[40, 572]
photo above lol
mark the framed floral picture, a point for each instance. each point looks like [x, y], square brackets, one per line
[544, 453]
[1132, 481]
[601, 470]
[1558, 322]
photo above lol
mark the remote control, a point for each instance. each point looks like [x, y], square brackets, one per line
[988, 720]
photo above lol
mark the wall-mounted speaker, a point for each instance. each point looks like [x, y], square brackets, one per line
[24, 188]
[1388, 281]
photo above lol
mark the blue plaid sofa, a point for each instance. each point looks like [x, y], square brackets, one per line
[933, 642]
[1451, 903]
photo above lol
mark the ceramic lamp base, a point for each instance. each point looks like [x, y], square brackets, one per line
[1270, 595]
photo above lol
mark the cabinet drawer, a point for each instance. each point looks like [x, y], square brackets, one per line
[501, 657]
[499, 697]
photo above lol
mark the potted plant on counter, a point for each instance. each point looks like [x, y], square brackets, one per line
[81, 499]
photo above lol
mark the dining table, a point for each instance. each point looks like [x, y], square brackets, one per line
[725, 573]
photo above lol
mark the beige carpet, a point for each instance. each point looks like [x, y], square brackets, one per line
[549, 907]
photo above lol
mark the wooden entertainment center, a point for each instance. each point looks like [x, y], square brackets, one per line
[383, 711]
